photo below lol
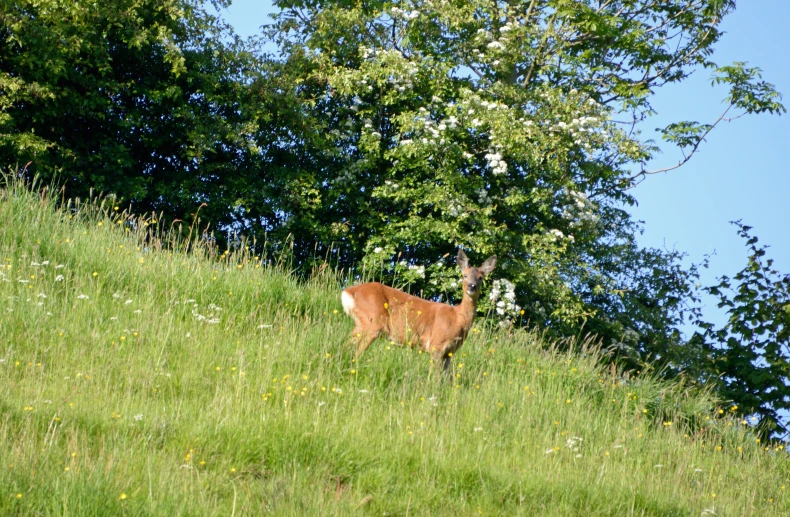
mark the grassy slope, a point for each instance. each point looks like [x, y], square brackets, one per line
[117, 397]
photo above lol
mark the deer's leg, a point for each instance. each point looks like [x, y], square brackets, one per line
[355, 334]
[363, 340]
[447, 366]
[364, 333]
[443, 364]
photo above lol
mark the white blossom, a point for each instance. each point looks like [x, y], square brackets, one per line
[497, 164]
[502, 296]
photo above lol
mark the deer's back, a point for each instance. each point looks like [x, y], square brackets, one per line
[406, 318]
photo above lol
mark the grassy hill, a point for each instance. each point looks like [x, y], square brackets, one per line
[137, 380]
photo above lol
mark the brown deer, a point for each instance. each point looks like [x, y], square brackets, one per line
[437, 328]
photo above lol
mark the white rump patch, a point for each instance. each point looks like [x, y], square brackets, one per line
[348, 302]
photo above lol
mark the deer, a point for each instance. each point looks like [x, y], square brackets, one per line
[437, 328]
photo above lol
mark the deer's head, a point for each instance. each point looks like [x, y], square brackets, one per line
[473, 276]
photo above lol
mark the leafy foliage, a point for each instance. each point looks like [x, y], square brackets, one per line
[146, 100]
[750, 354]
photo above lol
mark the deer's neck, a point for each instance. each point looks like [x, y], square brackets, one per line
[467, 310]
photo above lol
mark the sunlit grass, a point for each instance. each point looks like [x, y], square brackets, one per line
[138, 380]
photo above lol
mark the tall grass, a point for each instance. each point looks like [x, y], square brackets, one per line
[141, 379]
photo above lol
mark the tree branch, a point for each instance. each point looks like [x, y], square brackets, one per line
[539, 52]
[643, 173]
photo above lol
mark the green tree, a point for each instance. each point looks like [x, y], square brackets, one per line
[148, 100]
[506, 127]
[749, 356]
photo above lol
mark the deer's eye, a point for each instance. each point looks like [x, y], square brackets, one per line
[466, 276]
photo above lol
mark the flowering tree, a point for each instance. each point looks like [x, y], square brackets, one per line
[506, 127]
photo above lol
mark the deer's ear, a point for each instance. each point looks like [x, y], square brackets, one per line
[462, 261]
[488, 265]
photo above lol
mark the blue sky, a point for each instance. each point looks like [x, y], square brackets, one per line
[741, 172]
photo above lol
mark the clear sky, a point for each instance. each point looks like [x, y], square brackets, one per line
[741, 172]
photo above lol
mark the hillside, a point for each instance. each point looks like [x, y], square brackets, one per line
[137, 380]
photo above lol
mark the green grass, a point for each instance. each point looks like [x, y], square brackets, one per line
[125, 390]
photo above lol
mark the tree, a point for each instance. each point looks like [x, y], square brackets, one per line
[507, 127]
[749, 356]
[150, 101]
